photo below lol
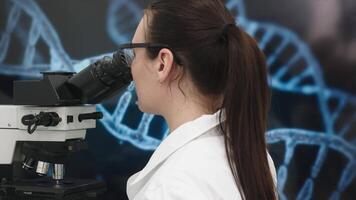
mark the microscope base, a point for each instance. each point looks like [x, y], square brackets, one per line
[47, 189]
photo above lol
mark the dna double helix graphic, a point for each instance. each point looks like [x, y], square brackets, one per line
[308, 81]
[297, 72]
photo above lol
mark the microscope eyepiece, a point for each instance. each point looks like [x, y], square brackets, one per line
[102, 79]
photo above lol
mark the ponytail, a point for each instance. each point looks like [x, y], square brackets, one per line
[246, 103]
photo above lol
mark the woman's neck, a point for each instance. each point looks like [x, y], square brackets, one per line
[182, 116]
[180, 108]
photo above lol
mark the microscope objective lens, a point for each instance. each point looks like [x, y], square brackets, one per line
[42, 168]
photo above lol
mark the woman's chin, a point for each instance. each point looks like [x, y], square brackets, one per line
[140, 106]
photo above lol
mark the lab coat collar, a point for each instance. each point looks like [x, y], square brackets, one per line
[174, 141]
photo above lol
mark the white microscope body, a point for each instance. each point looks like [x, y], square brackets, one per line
[47, 124]
[13, 130]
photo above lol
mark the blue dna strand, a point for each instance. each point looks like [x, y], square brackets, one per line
[294, 137]
[40, 28]
[125, 15]
[298, 72]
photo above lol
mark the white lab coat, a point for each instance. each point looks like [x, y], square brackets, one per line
[190, 164]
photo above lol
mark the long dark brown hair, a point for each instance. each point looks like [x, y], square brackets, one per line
[222, 60]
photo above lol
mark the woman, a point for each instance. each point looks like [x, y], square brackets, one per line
[207, 78]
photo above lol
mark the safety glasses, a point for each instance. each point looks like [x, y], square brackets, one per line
[130, 55]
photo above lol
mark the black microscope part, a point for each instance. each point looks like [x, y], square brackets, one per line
[88, 116]
[42, 119]
[94, 84]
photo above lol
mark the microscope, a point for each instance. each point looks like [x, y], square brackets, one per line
[47, 124]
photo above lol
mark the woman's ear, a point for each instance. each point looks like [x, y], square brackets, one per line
[164, 65]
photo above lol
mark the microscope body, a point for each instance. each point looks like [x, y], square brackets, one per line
[13, 133]
[33, 164]
[47, 124]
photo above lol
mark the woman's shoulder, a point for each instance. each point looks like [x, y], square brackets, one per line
[198, 170]
[201, 162]
[199, 153]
